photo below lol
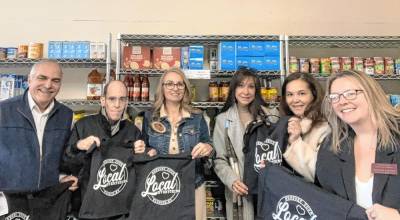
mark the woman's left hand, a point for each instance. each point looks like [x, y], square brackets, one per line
[201, 150]
[380, 212]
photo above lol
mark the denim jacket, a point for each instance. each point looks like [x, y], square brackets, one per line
[191, 131]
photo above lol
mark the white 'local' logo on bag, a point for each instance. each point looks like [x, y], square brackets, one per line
[17, 216]
[293, 207]
[112, 177]
[162, 186]
[267, 150]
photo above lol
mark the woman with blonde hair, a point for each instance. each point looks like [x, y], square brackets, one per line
[360, 161]
[173, 126]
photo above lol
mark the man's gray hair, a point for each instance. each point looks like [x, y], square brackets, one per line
[41, 62]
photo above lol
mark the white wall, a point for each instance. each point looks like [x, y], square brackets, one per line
[44, 20]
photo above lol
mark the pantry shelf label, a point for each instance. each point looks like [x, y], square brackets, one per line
[198, 74]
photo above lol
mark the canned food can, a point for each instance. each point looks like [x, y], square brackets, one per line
[345, 63]
[35, 51]
[293, 65]
[358, 64]
[369, 64]
[304, 65]
[335, 64]
[3, 53]
[379, 67]
[314, 65]
[389, 65]
[325, 66]
[11, 53]
[22, 51]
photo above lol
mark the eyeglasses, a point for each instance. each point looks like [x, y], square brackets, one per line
[113, 99]
[350, 94]
[171, 85]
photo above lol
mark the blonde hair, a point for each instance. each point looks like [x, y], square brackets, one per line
[160, 99]
[381, 111]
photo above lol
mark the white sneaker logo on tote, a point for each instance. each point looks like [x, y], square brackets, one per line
[112, 177]
[162, 186]
[267, 150]
[17, 216]
[293, 207]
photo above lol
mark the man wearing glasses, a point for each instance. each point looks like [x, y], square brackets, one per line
[104, 131]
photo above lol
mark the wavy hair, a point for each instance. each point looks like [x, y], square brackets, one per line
[381, 111]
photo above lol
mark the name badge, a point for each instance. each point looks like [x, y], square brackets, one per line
[384, 168]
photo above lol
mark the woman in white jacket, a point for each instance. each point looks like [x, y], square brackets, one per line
[243, 105]
[302, 97]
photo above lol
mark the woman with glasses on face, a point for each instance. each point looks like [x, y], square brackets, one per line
[361, 160]
[243, 105]
[302, 97]
[172, 126]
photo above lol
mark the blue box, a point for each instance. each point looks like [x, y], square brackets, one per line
[227, 63]
[196, 51]
[227, 55]
[196, 63]
[68, 51]
[82, 49]
[257, 63]
[243, 48]
[272, 48]
[257, 48]
[227, 48]
[272, 63]
[55, 49]
[242, 61]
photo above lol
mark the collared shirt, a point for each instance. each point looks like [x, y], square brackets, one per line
[173, 142]
[3, 204]
[40, 119]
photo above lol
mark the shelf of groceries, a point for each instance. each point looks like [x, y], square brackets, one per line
[149, 104]
[213, 73]
[343, 41]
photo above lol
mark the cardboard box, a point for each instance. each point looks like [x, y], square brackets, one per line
[227, 55]
[257, 63]
[196, 63]
[257, 48]
[272, 48]
[136, 57]
[82, 49]
[196, 51]
[166, 57]
[55, 49]
[242, 48]
[242, 61]
[272, 63]
[185, 57]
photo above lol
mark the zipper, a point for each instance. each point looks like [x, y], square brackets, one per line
[40, 155]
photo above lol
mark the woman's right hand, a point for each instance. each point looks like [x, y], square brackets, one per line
[152, 152]
[240, 188]
[84, 144]
[294, 129]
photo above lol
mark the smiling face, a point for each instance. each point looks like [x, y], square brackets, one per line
[245, 92]
[172, 87]
[298, 97]
[45, 83]
[352, 112]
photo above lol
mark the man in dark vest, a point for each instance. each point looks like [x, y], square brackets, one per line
[34, 128]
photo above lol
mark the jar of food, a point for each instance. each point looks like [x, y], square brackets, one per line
[35, 51]
[213, 91]
[224, 91]
[345, 63]
[358, 63]
[369, 64]
[389, 65]
[379, 67]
